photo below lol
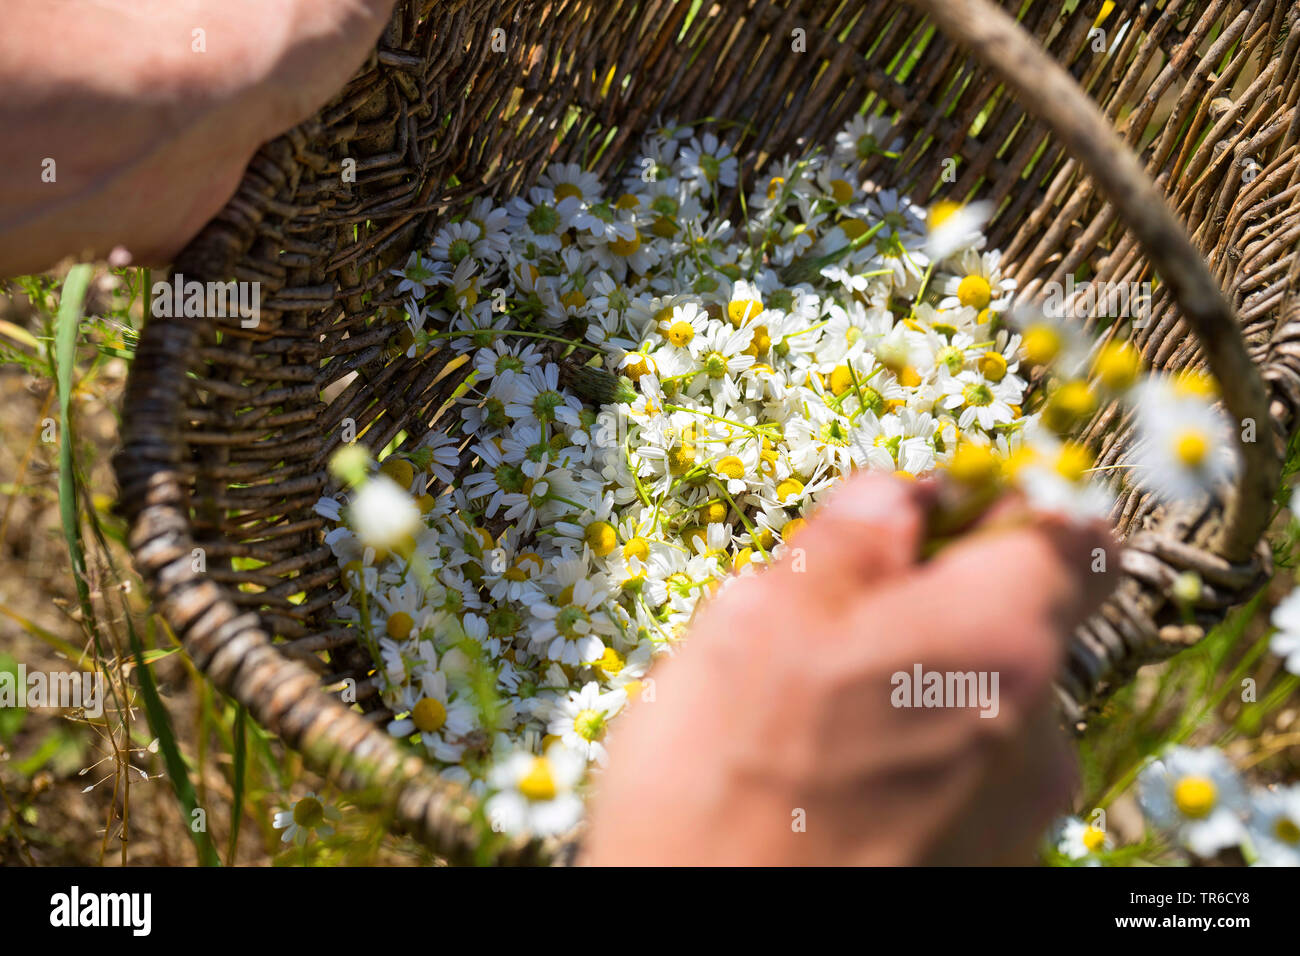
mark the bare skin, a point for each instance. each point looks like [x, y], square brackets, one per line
[781, 701]
[149, 136]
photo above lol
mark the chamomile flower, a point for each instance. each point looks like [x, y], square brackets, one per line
[383, 514]
[536, 794]
[581, 719]
[864, 137]
[431, 713]
[1274, 825]
[977, 400]
[683, 325]
[1054, 477]
[1285, 642]
[567, 627]
[1185, 444]
[307, 816]
[420, 274]
[1077, 840]
[979, 283]
[952, 228]
[709, 163]
[1196, 795]
[456, 241]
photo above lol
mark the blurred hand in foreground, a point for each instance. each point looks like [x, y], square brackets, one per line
[781, 708]
[149, 111]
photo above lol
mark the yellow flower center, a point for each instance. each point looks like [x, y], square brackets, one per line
[634, 370]
[429, 715]
[974, 465]
[696, 538]
[1286, 830]
[399, 625]
[760, 342]
[398, 469]
[537, 783]
[681, 459]
[602, 538]
[742, 559]
[1073, 462]
[713, 512]
[627, 201]
[589, 724]
[790, 488]
[565, 190]
[842, 190]
[1195, 796]
[841, 379]
[1191, 384]
[626, 247]
[739, 310]
[853, 228]
[975, 291]
[610, 663]
[1094, 839]
[941, 212]
[308, 812]
[792, 527]
[638, 548]
[681, 333]
[1069, 403]
[731, 467]
[1042, 344]
[525, 566]
[993, 366]
[774, 186]
[574, 299]
[977, 394]
[1117, 366]
[1191, 448]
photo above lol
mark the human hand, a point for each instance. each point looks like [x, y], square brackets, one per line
[150, 135]
[782, 700]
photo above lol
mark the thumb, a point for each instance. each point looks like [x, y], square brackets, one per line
[869, 528]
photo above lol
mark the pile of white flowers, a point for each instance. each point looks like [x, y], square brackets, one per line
[658, 398]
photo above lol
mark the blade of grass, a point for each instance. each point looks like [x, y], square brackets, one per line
[241, 757]
[73, 655]
[161, 725]
[65, 344]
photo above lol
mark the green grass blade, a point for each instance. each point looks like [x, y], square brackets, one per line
[241, 759]
[65, 347]
[177, 772]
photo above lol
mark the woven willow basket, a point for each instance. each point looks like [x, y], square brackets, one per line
[227, 434]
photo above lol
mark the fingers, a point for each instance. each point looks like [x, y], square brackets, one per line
[869, 528]
[1003, 602]
[1058, 566]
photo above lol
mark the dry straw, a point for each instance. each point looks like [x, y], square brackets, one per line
[227, 435]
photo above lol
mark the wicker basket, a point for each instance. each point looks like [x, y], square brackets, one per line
[227, 434]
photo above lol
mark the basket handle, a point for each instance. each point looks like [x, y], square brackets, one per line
[1049, 92]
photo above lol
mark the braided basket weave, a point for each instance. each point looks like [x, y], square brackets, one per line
[227, 433]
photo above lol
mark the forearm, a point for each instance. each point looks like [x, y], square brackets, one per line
[129, 123]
